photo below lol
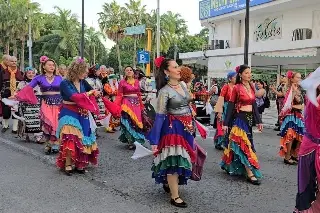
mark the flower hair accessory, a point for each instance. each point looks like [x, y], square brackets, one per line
[79, 60]
[43, 59]
[290, 74]
[158, 61]
[237, 69]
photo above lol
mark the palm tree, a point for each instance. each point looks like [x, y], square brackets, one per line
[136, 12]
[64, 39]
[112, 22]
[94, 45]
[178, 27]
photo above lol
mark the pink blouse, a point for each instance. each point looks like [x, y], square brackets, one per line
[128, 89]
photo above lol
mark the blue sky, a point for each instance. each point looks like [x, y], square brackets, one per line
[189, 10]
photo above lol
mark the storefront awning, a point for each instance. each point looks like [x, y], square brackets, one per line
[309, 52]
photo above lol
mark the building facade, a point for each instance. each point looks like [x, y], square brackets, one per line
[284, 34]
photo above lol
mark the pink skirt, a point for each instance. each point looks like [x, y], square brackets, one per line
[49, 120]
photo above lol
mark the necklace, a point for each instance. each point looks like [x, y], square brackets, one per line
[50, 77]
[177, 86]
[131, 81]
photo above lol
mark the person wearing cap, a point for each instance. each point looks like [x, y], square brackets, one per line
[110, 92]
[220, 139]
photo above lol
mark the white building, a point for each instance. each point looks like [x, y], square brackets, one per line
[284, 34]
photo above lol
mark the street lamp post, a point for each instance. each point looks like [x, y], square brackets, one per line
[29, 43]
[246, 41]
[158, 28]
[82, 33]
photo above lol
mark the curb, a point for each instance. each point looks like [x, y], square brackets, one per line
[40, 156]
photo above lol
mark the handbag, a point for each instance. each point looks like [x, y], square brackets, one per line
[197, 166]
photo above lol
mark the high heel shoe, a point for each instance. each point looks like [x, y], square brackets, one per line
[68, 172]
[166, 188]
[253, 182]
[179, 205]
[80, 171]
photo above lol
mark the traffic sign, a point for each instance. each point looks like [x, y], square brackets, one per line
[143, 57]
[135, 30]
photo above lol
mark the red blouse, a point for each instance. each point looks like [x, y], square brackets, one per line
[226, 92]
[241, 97]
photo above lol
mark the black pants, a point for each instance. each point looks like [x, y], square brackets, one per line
[6, 112]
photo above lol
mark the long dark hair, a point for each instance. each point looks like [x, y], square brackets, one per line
[124, 70]
[161, 76]
[240, 70]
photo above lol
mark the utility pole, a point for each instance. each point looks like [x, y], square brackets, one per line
[82, 33]
[29, 43]
[246, 36]
[158, 28]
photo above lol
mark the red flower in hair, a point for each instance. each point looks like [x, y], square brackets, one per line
[290, 74]
[158, 61]
[43, 59]
[237, 69]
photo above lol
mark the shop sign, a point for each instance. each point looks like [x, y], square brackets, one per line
[269, 29]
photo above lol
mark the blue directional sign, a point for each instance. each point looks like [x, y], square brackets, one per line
[143, 57]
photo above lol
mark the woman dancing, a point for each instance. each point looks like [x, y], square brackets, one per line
[172, 134]
[49, 83]
[292, 125]
[307, 199]
[239, 157]
[129, 97]
[221, 139]
[78, 142]
[30, 112]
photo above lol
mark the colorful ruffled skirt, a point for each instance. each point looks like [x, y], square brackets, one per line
[240, 152]
[220, 138]
[49, 114]
[176, 151]
[76, 138]
[291, 130]
[308, 196]
[131, 121]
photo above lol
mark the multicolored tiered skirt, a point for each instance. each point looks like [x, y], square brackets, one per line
[77, 139]
[49, 113]
[291, 130]
[220, 138]
[176, 150]
[240, 152]
[131, 121]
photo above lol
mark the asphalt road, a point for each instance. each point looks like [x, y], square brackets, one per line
[28, 183]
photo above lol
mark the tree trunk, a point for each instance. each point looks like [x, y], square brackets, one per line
[7, 49]
[15, 48]
[23, 43]
[119, 57]
[175, 51]
[134, 52]
[94, 55]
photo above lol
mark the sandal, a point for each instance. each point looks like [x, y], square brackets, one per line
[296, 159]
[67, 171]
[47, 150]
[179, 205]
[252, 181]
[131, 147]
[289, 162]
[166, 188]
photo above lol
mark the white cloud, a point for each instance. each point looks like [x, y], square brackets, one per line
[189, 10]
